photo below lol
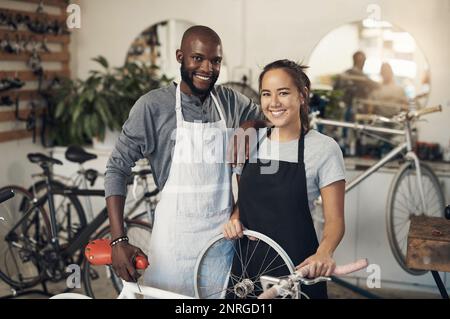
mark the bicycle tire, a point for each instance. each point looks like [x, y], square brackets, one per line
[435, 207]
[24, 258]
[90, 271]
[221, 250]
[77, 212]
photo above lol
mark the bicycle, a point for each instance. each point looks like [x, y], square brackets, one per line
[34, 251]
[415, 189]
[101, 255]
[83, 177]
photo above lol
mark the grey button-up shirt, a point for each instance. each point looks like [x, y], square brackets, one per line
[147, 132]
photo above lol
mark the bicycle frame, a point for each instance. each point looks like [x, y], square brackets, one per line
[407, 145]
[83, 236]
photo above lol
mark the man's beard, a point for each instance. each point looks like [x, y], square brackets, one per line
[189, 80]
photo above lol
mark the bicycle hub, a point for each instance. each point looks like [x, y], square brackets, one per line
[244, 288]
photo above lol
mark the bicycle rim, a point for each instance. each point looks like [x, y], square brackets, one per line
[100, 281]
[19, 255]
[404, 201]
[219, 253]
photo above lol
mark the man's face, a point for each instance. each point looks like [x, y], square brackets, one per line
[200, 64]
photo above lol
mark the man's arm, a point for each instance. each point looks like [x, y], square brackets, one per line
[133, 143]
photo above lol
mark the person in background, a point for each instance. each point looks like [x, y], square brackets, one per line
[390, 96]
[355, 84]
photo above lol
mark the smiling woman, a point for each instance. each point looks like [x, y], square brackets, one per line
[278, 203]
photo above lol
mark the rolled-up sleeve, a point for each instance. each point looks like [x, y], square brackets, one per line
[136, 141]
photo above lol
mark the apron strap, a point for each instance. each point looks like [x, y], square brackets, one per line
[179, 112]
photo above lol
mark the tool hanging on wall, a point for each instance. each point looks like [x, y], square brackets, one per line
[9, 83]
[6, 101]
[48, 120]
[42, 23]
[30, 120]
[22, 45]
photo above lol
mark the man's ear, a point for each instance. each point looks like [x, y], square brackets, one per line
[179, 55]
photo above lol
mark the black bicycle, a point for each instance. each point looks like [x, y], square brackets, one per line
[37, 245]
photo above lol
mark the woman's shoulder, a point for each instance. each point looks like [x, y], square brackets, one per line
[315, 139]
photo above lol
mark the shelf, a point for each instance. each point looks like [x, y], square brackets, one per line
[23, 95]
[10, 116]
[34, 14]
[30, 76]
[15, 135]
[53, 3]
[45, 57]
[63, 39]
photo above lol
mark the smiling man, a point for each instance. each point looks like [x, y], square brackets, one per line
[196, 198]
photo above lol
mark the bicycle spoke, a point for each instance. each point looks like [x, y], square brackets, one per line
[253, 252]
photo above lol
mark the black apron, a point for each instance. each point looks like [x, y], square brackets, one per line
[276, 205]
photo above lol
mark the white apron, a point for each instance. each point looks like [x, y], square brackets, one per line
[195, 203]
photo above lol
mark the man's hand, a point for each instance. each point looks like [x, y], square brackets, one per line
[246, 134]
[123, 255]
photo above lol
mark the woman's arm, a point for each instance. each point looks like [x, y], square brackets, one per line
[322, 262]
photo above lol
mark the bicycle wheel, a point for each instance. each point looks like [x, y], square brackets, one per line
[404, 201]
[19, 252]
[100, 282]
[68, 224]
[213, 277]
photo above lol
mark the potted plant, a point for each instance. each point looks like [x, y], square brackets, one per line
[86, 109]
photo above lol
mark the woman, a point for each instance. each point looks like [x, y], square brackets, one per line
[308, 164]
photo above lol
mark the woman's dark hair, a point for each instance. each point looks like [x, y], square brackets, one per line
[301, 80]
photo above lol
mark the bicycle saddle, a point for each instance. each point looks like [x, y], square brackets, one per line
[77, 154]
[98, 252]
[39, 158]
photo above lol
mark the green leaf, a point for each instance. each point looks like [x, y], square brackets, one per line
[102, 61]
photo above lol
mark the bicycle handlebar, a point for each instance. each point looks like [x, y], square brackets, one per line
[427, 110]
[303, 272]
[99, 253]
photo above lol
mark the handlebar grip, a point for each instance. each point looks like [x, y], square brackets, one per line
[427, 110]
[98, 252]
[4, 196]
[339, 270]
[352, 267]
[141, 262]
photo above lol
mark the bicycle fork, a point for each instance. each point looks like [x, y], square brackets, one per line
[410, 155]
[413, 157]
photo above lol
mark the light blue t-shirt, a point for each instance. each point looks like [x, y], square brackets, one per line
[324, 162]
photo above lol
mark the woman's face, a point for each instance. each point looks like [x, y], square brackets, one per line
[280, 99]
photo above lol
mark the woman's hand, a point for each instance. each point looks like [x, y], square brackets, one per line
[233, 229]
[319, 264]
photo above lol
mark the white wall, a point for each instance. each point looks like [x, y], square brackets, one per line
[255, 32]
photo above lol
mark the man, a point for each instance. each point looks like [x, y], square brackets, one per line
[167, 126]
[355, 84]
